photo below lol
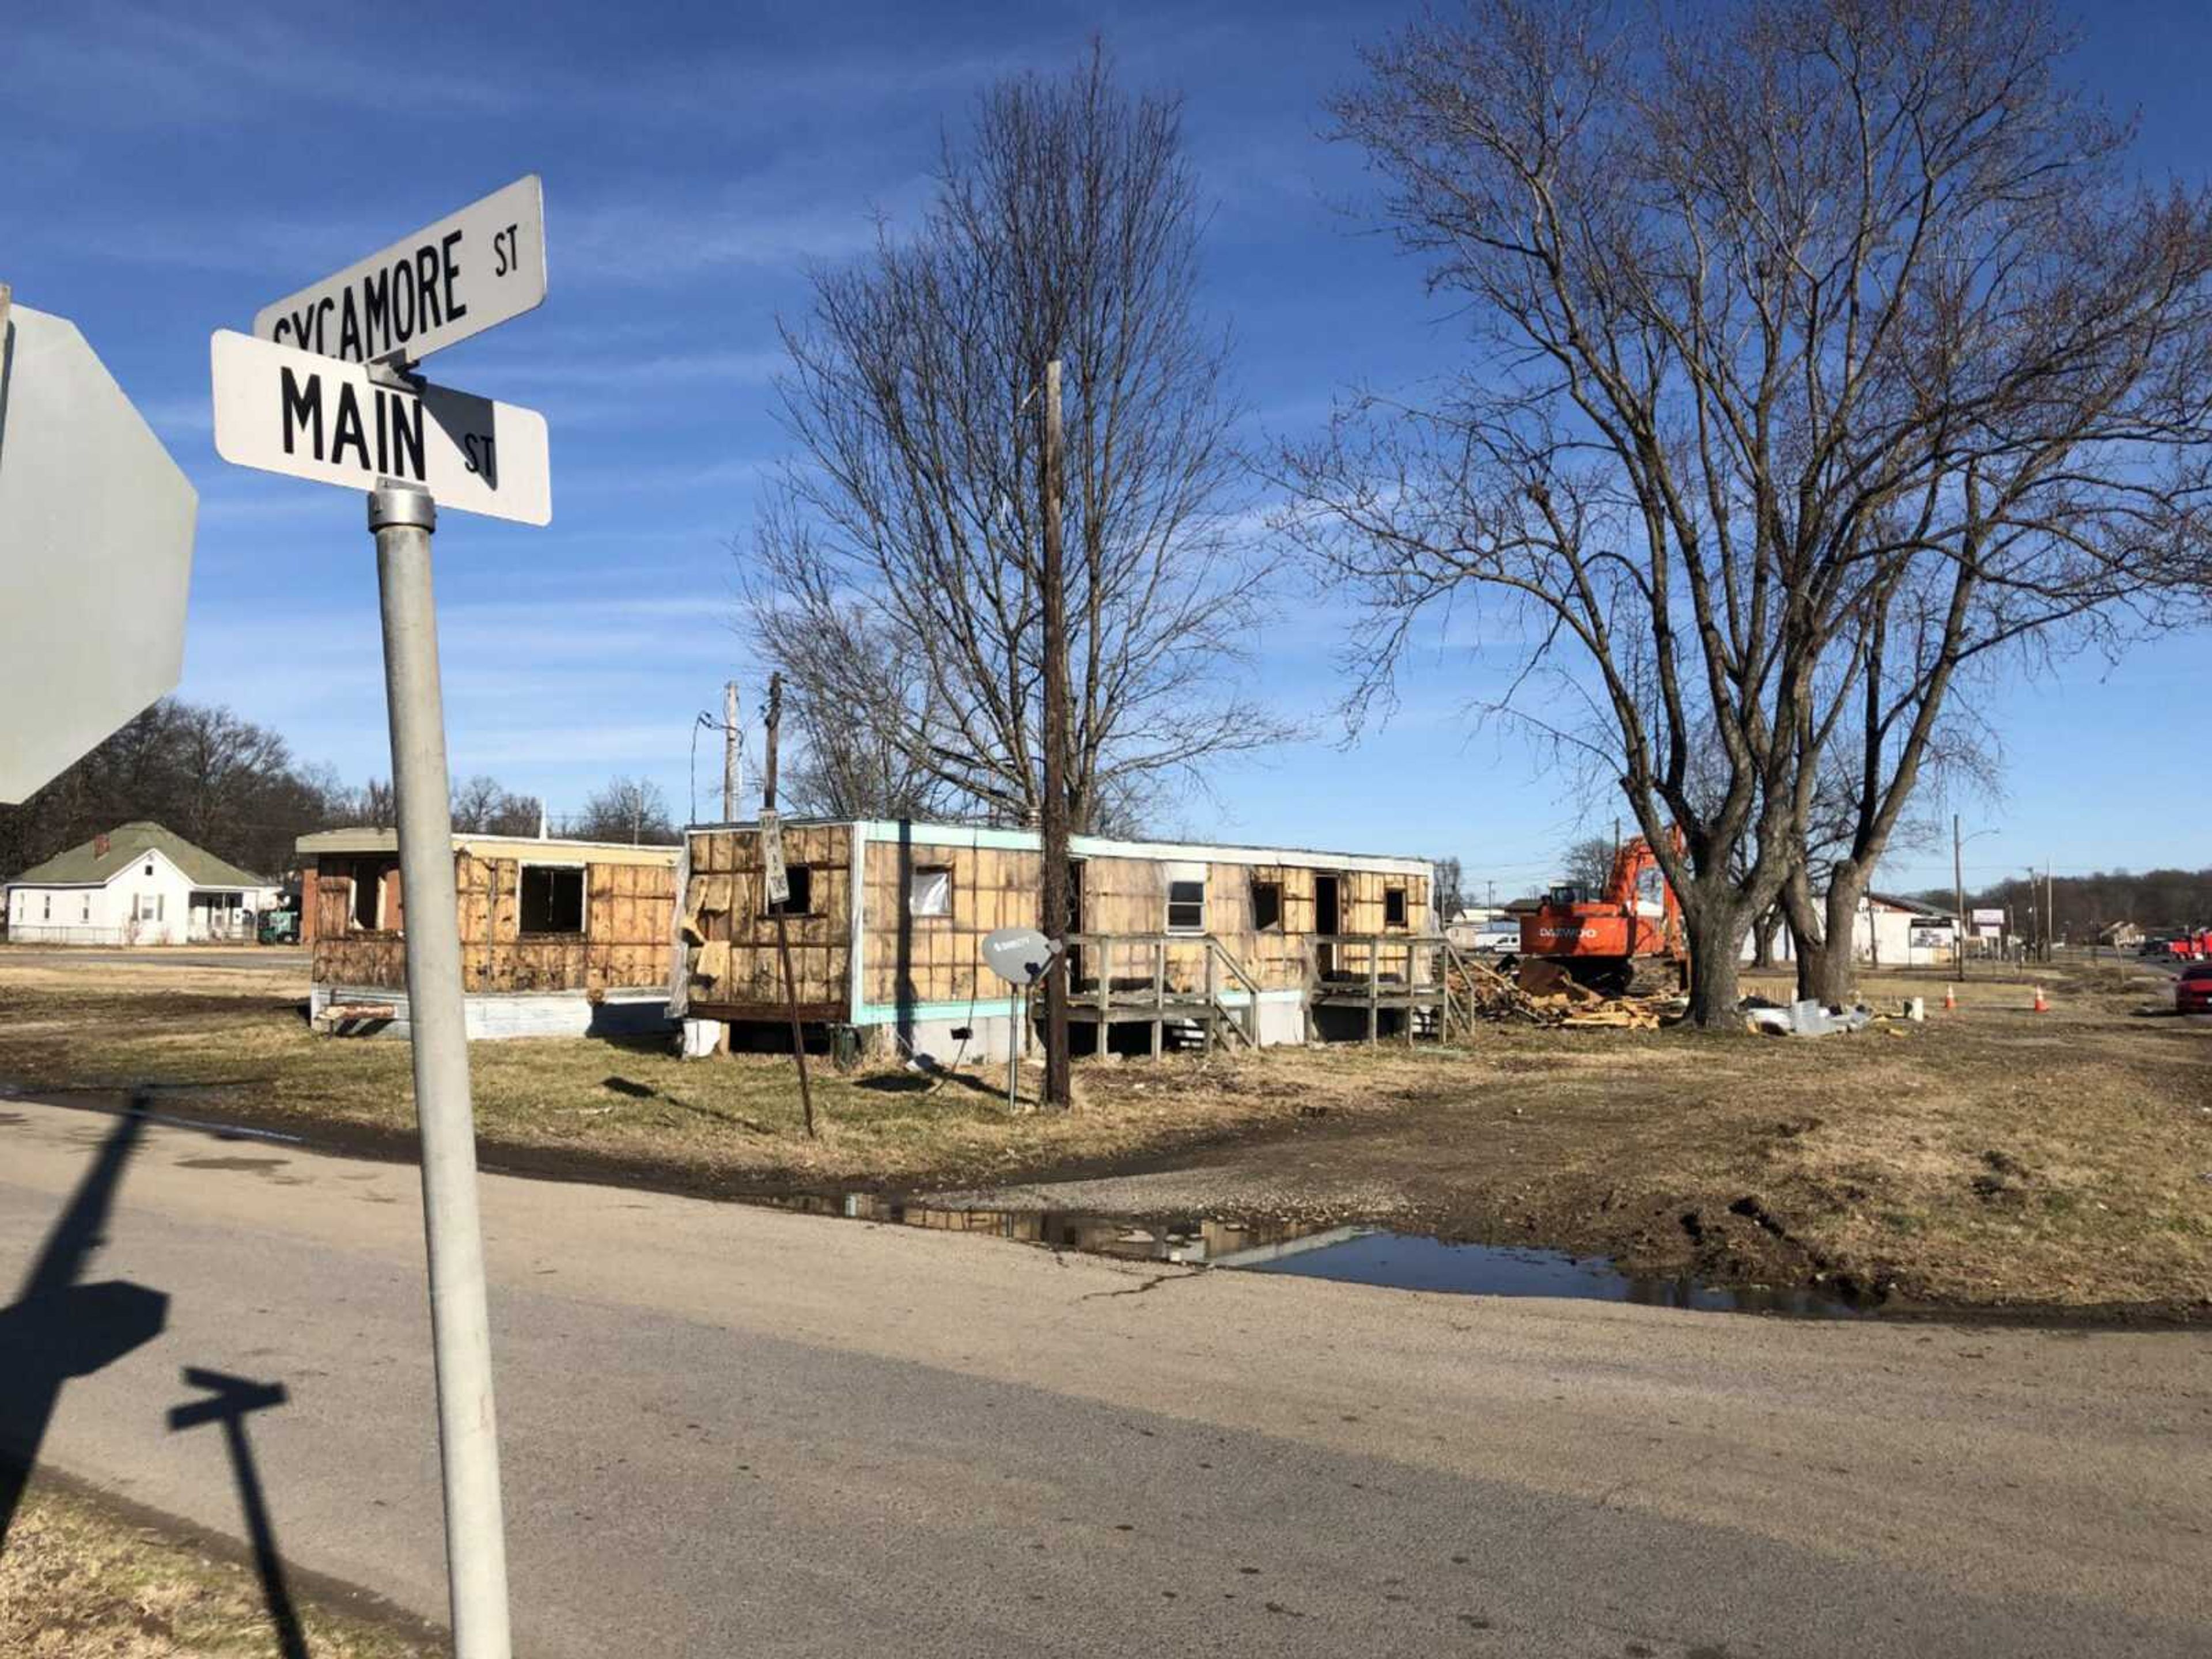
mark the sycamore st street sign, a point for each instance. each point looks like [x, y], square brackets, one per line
[468, 271]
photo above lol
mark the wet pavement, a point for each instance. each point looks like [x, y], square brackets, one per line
[1354, 1254]
[1414, 1263]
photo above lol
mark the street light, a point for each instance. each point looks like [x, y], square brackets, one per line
[1959, 888]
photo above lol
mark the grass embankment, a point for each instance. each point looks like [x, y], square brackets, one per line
[80, 1580]
[238, 1043]
[1993, 1156]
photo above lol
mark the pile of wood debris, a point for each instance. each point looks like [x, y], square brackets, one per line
[1552, 997]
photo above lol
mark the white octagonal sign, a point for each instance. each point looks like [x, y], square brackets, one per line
[95, 553]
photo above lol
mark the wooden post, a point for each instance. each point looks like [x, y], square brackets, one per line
[730, 752]
[1159, 995]
[1054, 825]
[1374, 988]
[782, 923]
[1105, 988]
[1212, 1006]
[1411, 996]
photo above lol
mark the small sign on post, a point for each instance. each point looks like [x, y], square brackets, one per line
[776, 876]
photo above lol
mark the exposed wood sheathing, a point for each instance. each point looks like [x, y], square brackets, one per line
[624, 944]
[912, 960]
[734, 970]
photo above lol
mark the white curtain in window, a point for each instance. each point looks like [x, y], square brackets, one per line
[929, 893]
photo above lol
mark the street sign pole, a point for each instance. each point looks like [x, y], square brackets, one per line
[402, 521]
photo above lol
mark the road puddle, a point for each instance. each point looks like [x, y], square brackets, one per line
[1350, 1255]
[1408, 1262]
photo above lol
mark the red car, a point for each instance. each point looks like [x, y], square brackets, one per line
[2192, 989]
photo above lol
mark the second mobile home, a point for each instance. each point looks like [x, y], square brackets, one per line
[886, 921]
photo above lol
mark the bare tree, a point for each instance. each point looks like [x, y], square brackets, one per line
[222, 781]
[1446, 895]
[1588, 863]
[896, 576]
[483, 807]
[847, 762]
[1823, 350]
[629, 809]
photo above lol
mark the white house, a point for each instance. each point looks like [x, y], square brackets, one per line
[138, 885]
[1888, 933]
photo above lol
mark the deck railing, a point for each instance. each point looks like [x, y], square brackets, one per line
[1409, 972]
[1163, 979]
[1145, 991]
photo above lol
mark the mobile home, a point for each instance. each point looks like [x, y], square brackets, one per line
[1172, 942]
[558, 937]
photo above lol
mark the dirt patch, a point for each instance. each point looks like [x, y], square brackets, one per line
[86, 1577]
[1993, 1157]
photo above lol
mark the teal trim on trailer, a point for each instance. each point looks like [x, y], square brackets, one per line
[878, 1013]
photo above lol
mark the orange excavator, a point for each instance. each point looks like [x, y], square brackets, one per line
[1619, 942]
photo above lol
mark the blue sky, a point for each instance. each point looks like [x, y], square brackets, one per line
[172, 170]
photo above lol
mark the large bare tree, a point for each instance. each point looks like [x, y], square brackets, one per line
[628, 809]
[1822, 349]
[897, 576]
[849, 768]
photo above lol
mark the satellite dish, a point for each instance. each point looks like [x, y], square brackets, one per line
[1017, 955]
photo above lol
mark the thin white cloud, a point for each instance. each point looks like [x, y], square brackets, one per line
[122, 65]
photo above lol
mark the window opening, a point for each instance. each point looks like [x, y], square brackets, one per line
[1186, 898]
[551, 898]
[1267, 906]
[929, 891]
[800, 878]
[367, 898]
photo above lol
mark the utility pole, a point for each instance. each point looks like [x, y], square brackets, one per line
[402, 520]
[1957, 896]
[772, 860]
[1053, 827]
[730, 752]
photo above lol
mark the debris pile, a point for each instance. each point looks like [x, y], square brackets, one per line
[1547, 994]
[1808, 1017]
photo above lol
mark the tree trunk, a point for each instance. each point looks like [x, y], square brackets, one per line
[1714, 929]
[1808, 936]
[1831, 984]
[1762, 937]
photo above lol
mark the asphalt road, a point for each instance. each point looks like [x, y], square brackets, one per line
[732, 1430]
[273, 958]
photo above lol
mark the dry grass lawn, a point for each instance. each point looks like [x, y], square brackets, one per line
[1993, 1156]
[79, 1581]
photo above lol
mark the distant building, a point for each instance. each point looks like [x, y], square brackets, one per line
[137, 884]
[1888, 933]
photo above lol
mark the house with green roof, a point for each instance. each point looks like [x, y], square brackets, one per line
[137, 884]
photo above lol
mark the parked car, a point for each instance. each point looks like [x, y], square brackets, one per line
[2192, 989]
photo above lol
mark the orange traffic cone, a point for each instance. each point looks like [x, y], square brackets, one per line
[2041, 1006]
[1950, 999]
